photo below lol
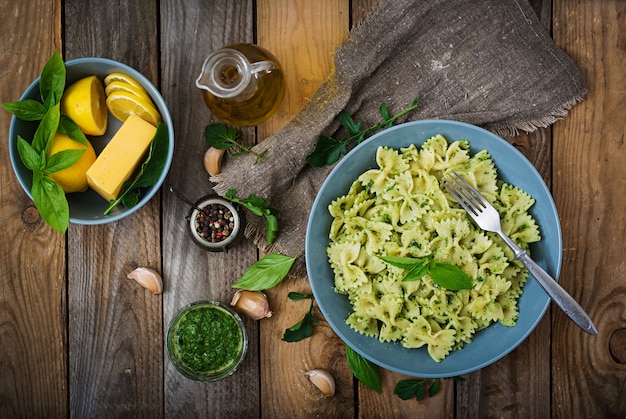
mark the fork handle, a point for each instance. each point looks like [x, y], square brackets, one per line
[562, 299]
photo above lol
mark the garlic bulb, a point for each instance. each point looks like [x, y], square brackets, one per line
[253, 304]
[148, 278]
[213, 161]
[323, 380]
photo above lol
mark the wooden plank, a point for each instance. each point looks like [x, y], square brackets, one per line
[115, 327]
[33, 314]
[191, 32]
[589, 178]
[302, 34]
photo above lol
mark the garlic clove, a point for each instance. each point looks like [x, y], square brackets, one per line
[253, 304]
[213, 161]
[148, 278]
[323, 380]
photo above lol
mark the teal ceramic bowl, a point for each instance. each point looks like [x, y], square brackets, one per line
[488, 345]
[88, 207]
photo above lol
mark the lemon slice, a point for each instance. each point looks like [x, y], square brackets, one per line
[122, 104]
[121, 86]
[124, 78]
[84, 102]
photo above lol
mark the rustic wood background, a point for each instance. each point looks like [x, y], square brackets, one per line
[80, 340]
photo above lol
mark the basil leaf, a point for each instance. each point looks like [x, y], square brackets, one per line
[220, 136]
[327, 151]
[28, 155]
[50, 200]
[271, 227]
[304, 328]
[26, 110]
[415, 388]
[301, 330]
[417, 272]
[265, 273]
[296, 296]
[149, 172]
[62, 160]
[52, 80]
[402, 262]
[47, 129]
[260, 207]
[68, 127]
[450, 277]
[363, 370]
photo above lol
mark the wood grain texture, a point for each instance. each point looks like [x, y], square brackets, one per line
[589, 378]
[191, 31]
[33, 364]
[115, 327]
[303, 36]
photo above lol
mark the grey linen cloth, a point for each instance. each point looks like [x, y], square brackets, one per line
[490, 63]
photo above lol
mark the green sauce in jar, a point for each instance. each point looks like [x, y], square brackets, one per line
[206, 341]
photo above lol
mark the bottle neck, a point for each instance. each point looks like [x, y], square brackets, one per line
[227, 73]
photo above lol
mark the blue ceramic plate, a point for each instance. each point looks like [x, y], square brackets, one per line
[488, 345]
[88, 207]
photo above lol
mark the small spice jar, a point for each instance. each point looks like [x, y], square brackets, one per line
[215, 224]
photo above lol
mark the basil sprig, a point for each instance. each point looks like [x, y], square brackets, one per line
[328, 150]
[262, 208]
[48, 197]
[304, 328]
[443, 274]
[223, 137]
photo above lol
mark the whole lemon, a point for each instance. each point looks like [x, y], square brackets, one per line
[85, 102]
[73, 178]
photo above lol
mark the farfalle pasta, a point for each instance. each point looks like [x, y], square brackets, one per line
[400, 209]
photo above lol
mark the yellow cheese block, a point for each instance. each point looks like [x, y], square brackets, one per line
[121, 156]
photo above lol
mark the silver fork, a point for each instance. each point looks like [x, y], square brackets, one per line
[487, 218]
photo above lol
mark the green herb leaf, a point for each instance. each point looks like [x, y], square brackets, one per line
[220, 136]
[52, 81]
[415, 388]
[150, 171]
[28, 155]
[450, 277]
[68, 127]
[364, 370]
[62, 160]
[47, 129]
[417, 272]
[346, 120]
[304, 328]
[328, 150]
[296, 296]
[260, 207]
[50, 201]
[266, 273]
[402, 261]
[26, 109]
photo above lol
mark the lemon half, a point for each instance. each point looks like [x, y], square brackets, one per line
[73, 178]
[84, 102]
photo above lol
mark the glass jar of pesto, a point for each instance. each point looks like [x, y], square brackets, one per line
[206, 341]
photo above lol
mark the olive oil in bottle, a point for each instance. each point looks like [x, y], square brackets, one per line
[242, 84]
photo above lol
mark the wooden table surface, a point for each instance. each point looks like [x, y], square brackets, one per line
[78, 339]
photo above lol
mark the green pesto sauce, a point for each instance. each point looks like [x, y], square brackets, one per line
[208, 339]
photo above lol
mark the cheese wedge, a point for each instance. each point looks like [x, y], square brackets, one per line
[121, 156]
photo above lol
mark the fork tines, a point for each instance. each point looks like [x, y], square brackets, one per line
[465, 194]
